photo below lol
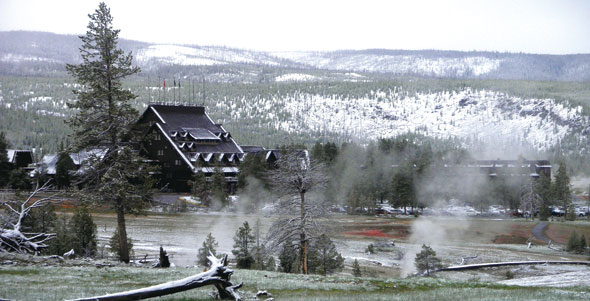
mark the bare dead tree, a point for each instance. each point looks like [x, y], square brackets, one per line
[12, 239]
[530, 198]
[219, 275]
[293, 176]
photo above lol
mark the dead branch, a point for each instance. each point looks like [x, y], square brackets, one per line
[12, 239]
[219, 276]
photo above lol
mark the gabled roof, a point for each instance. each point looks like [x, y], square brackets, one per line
[14, 153]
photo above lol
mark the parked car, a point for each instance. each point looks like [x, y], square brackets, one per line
[581, 211]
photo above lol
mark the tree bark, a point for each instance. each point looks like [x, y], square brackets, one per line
[122, 230]
[302, 237]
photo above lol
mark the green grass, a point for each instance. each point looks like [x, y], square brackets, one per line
[58, 283]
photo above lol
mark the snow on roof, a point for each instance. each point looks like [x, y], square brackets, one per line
[201, 134]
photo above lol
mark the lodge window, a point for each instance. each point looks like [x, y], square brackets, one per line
[177, 162]
[160, 152]
[158, 137]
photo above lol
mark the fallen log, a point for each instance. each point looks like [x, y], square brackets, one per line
[218, 276]
[497, 264]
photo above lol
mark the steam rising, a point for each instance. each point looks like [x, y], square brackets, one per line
[429, 231]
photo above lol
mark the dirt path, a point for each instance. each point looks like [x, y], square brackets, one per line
[538, 231]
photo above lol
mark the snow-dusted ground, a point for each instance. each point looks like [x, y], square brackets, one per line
[576, 278]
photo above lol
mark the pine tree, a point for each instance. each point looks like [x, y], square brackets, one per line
[356, 269]
[323, 258]
[243, 241]
[582, 244]
[83, 232]
[209, 247]
[426, 260]
[19, 179]
[63, 170]
[104, 120]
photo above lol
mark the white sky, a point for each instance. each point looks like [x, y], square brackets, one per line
[532, 26]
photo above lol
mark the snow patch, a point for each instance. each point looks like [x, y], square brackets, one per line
[296, 77]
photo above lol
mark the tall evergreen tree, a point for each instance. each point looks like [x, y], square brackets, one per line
[104, 120]
[402, 188]
[562, 190]
[4, 165]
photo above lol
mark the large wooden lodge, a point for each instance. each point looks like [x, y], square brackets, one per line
[184, 140]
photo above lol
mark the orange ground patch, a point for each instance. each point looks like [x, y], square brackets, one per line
[369, 233]
[518, 234]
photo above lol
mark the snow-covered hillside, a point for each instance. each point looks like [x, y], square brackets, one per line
[475, 116]
[201, 56]
[398, 64]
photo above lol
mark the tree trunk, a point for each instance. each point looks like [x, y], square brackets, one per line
[123, 248]
[219, 276]
[302, 238]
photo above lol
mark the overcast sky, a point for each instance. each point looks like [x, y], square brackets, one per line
[535, 26]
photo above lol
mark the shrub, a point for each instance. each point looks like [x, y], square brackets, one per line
[83, 232]
[287, 258]
[573, 243]
[370, 249]
[62, 242]
[242, 242]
